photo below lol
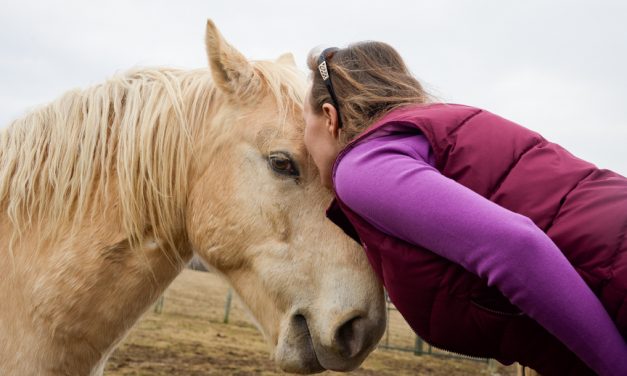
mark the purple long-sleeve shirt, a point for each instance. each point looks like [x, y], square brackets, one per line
[390, 177]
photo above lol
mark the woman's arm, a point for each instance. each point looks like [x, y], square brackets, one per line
[389, 183]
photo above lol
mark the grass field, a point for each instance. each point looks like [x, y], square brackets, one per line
[189, 338]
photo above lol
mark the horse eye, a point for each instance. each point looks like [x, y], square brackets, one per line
[282, 164]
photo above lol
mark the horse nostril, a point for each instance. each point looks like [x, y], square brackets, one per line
[300, 327]
[350, 337]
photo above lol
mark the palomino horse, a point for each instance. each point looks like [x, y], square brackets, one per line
[107, 193]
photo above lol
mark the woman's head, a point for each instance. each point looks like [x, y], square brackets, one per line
[369, 79]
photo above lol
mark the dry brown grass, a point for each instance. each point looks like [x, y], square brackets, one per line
[189, 338]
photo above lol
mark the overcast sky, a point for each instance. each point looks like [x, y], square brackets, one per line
[557, 67]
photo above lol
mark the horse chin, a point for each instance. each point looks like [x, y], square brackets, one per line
[299, 362]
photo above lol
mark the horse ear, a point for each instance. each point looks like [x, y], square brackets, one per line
[231, 71]
[287, 59]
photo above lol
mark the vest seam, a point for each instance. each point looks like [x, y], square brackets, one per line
[563, 201]
[431, 139]
[616, 252]
[508, 170]
[463, 122]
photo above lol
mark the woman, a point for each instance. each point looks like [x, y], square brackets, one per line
[490, 240]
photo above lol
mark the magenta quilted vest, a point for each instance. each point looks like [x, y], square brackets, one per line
[583, 209]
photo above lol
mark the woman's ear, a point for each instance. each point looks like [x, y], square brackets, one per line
[330, 114]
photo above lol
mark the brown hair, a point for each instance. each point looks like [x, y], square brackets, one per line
[369, 79]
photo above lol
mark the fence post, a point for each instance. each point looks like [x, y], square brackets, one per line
[159, 304]
[491, 366]
[418, 346]
[387, 321]
[227, 307]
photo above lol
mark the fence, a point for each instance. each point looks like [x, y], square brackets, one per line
[399, 336]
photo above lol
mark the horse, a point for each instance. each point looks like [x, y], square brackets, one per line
[107, 193]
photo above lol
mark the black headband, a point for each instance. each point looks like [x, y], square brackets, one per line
[325, 73]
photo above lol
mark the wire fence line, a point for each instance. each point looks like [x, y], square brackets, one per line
[398, 335]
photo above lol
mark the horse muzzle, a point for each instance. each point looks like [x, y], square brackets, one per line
[307, 345]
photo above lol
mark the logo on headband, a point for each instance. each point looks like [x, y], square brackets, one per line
[323, 70]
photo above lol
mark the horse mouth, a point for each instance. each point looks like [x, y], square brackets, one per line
[296, 353]
[300, 352]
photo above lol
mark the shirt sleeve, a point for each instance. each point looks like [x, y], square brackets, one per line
[391, 185]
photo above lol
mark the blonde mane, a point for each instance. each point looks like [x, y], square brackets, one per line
[126, 142]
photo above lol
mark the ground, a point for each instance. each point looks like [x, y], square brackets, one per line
[189, 338]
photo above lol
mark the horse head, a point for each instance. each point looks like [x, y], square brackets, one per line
[256, 215]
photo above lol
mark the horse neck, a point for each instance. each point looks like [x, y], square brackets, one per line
[74, 299]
